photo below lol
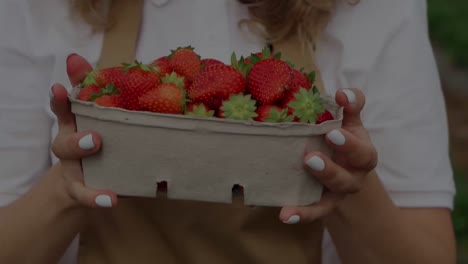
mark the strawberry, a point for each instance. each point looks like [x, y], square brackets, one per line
[208, 62]
[214, 85]
[103, 77]
[137, 79]
[87, 92]
[108, 101]
[162, 66]
[323, 117]
[307, 105]
[264, 54]
[273, 114]
[200, 110]
[239, 107]
[168, 97]
[269, 80]
[299, 80]
[186, 62]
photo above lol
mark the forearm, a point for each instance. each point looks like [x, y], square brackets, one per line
[40, 226]
[368, 228]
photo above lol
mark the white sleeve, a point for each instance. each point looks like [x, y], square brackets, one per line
[405, 115]
[24, 124]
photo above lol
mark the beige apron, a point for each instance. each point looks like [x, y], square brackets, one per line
[146, 230]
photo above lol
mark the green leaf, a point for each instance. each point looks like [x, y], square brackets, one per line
[315, 90]
[254, 59]
[266, 53]
[311, 76]
[275, 116]
[277, 56]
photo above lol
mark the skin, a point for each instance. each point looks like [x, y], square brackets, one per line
[365, 225]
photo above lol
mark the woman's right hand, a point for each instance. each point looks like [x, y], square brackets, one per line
[71, 146]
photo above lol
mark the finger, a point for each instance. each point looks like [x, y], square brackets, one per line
[84, 195]
[295, 215]
[75, 146]
[359, 154]
[61, 107]
[353, 101]
[77, 68]
[330, 174]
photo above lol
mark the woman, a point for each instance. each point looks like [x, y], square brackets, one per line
[393, 211]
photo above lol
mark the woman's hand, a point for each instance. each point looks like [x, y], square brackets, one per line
[70, 146]
[353, 158]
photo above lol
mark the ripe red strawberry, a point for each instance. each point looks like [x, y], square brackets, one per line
[273, 114]
[162, 66]
[185, 62]
[299, 80]
[103, 77]
[108, 100]
[214, 85]
[307, 105]
[239, 107]
[208, 62]
[168, 97]
[137, 79]
[269, 80]
[200, 110]
[87, 92]
[325, 116]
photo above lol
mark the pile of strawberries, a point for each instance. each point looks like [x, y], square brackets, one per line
[261, 87]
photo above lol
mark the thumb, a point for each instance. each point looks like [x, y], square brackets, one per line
[77, 69]
[353, 101]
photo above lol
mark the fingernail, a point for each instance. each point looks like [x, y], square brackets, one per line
[103, 200]
[51, 94]
[70, 56]
[293, 220]
[86, 142]
[336, 137]
[316, 163]
[350, 95]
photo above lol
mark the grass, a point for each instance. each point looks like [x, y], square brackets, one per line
[447, 22]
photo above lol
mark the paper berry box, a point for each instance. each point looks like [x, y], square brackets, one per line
[201, 159]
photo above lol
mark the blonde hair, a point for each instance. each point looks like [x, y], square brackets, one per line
[277, 19]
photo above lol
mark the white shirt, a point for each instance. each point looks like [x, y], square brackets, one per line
[379, 46]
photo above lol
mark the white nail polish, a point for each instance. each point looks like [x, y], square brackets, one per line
[350, 95]
[336, 137]
[103, 201]
[86, 142]
[316, 163]
[293, 220]
[51, 95]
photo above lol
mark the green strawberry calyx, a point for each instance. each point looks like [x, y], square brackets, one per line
[275, 116]
[108, 90]
[266, 54]
[307, 105]
[190, 48]
[138, 65]
[240, 64]
[239, 107]
[90, 79]
[200, 111]
[175, 79]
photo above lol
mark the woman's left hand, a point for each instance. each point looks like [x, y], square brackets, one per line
[353, 159]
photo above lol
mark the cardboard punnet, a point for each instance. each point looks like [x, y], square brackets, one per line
[201, 159]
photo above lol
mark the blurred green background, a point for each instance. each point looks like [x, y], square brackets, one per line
[448, 21]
